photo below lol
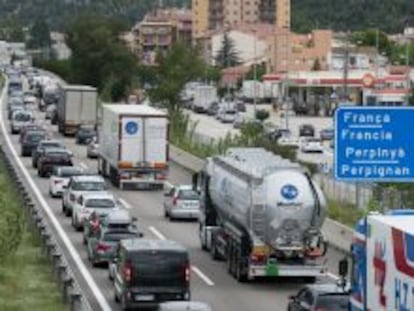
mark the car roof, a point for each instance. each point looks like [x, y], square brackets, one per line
[98, 195]
[86, 178]
[152, 245]
[55, 149]
[119, 216]
[184, 306]
[54, 141]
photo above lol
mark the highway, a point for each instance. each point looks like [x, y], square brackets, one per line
[210, 281]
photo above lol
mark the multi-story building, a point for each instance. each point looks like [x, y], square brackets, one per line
[159, 30]
[218, 14]
[296, 52]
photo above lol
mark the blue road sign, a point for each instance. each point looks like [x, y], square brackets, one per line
[374, 144]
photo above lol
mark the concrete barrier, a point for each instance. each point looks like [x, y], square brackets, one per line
[338, 235]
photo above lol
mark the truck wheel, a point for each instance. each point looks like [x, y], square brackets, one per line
[230, 259]
[241, 275]
[203, 240]
[213, 251]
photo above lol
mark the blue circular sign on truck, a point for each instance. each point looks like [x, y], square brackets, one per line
[289, 192]
[131, 127]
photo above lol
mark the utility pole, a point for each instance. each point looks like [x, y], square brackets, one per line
[346, 67]
[286, 91]
[408, 80]
[377, 57]
[254, 75]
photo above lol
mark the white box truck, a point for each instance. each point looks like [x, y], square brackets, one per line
[133, 145]
[251, 89]
[77, 106]
[204, 96]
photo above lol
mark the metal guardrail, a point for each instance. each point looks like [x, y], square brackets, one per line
[38, 220]
[63, 274]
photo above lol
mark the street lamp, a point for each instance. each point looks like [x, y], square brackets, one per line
[254, 74]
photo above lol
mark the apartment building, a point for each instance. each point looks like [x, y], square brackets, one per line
[159, 30]
[218, 14]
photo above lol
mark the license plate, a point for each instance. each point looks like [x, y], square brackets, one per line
[144, 297]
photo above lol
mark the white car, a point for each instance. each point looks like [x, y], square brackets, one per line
[29, 99]
[227, 115]
[85, 204]
[60, 179]
[20, 119]
[312, 145]
[182, 202]
[77, 186]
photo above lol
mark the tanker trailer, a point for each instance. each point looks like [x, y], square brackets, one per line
[262, 214]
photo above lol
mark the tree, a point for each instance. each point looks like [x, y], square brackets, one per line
[260, 72]
[175, 68]
[11, 30]
[316, 65]
[227, 56]
[99, 58]
[40, 35]
[262, 115]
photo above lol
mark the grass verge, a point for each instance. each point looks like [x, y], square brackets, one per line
[347, 214]
[26, 281]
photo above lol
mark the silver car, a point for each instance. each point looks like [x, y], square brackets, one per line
[92, 149]
[182, 202]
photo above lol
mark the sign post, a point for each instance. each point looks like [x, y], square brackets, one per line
[374, 144]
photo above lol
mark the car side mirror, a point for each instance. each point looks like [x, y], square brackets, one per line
[166, 194]
[343, 267]
[134, 219]
[141, 235]
[292, 297]
[65, 187]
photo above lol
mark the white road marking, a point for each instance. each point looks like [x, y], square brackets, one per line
[71, 249]
[169, 185]
[202, 276]
[332, 276]
[196, 270]
[125, 203]
[158, 234]
[83, 165]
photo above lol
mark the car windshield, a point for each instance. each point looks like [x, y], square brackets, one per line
[188, 194]
[49, 144]
[88, 186]
[230, 112]
[165, 268]
[333, 302]
[57, 154]
[100, 203]
[118, 236]
[22, 117]
[70, 171]
[35, 137]
[313, 140]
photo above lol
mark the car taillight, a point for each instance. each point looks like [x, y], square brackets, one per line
[101, 247]
[258, 258]
[127, 272]
[72, 197]
[161, 177]
[56, 182]
[186, 273]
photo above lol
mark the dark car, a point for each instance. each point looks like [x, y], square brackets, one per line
[213, 109]
[85, 134]
[30, 141]
[149, 272]
[321, 297]
[30, 127]
[241, 106]
[306, 130]
[327, 134]
[53, 157]
[41, 148]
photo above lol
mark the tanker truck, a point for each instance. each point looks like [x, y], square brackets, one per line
[262, 214]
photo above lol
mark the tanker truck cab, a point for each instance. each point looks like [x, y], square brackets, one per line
[382, 274]
[261, 214]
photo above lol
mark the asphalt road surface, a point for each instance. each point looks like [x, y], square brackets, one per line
[209, 279]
